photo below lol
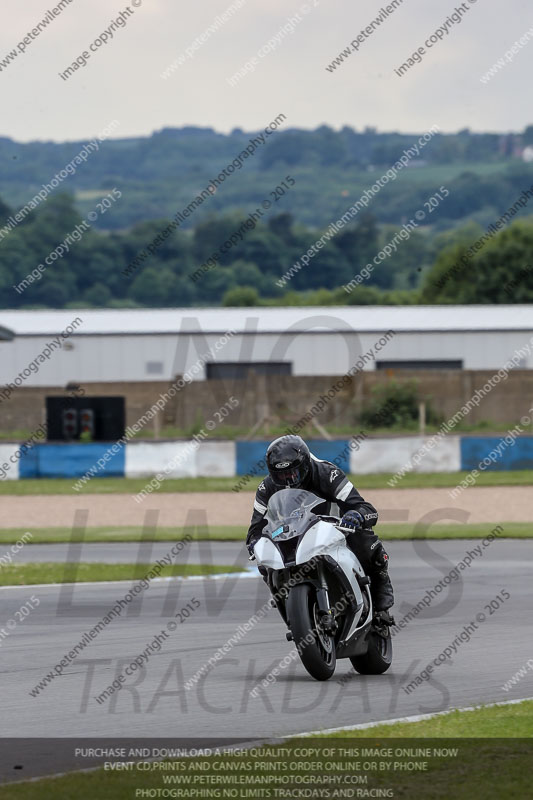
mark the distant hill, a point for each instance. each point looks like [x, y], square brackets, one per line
[164, 172]
[191, 217]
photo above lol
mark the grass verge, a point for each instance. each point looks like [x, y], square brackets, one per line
[498, 722]
[412, 480]
[485, 765]
[48, 572]
[132, 533]
[236, 533]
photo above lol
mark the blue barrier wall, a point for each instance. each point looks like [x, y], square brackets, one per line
[75, 460]
[71, 461]
[251, 454]
[518, 455]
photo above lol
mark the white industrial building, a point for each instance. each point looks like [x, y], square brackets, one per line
[158, 344]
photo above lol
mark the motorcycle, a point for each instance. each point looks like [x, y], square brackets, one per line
[319, 587]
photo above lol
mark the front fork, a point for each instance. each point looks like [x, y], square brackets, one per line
[326, 613]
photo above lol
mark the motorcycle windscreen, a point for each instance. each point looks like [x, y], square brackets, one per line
[288, 512]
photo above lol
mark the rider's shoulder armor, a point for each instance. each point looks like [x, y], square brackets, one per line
[264, 492]
[329, 480]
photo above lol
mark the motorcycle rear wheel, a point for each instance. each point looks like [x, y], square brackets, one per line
[377, 658]
[315, 648]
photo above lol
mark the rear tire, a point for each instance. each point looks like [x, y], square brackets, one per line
[378, 657]
[316, 649]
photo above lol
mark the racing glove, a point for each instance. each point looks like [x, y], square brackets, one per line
[351, 521]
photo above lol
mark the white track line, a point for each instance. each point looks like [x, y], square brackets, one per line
[413, 718]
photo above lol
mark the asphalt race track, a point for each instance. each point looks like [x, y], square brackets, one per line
[154, 703]
[134, 552]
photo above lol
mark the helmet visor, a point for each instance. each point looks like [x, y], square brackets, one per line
[290, 477]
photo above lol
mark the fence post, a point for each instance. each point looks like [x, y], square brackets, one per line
[422, 417]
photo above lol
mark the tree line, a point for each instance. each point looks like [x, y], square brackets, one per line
[90, 273]
[161, 174]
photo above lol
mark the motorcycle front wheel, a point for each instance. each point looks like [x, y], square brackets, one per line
[315, 647]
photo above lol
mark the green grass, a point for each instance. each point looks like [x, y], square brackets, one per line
[226, 431]
[434, 480]
[58, 486]
[443, 173]
[411, 480]
[19, 435]
[47, 572]
[498, 722]
[126, 534]
[405, 530]
[487, 766]
[236, 533]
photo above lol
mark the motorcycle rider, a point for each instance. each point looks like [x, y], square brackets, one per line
[291, 465]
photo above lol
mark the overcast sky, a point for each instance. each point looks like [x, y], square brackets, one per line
[122, 80]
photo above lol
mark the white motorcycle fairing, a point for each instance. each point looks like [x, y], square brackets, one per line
[323, 539]
[267, 554]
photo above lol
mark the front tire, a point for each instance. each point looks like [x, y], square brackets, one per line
[315, 648]
[377, 658]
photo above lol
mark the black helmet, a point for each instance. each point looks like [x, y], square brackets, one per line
[288, 461]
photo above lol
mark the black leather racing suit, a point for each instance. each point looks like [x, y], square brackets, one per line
[329, 482]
